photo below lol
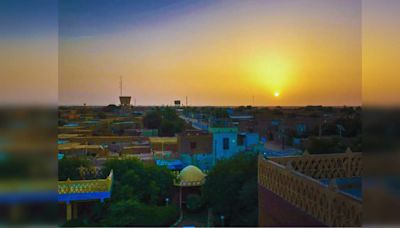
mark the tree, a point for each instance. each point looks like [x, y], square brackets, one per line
[238, 203]
[133, 213]
[325, 146]
[193, 202]
[132, 179]
[167, 128]
[220, 113]
[111, 108]
[166, 120]
[69, 168]
[152, 120]
[137, 199]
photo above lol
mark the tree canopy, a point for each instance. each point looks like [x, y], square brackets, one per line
[166, 120]
[69, 168]
[137, 199]
[231, 190]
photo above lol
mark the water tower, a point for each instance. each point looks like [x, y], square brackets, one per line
[125, 101]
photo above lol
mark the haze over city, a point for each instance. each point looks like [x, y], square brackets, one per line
[214, 52]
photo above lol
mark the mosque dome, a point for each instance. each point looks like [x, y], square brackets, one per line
[191, 176]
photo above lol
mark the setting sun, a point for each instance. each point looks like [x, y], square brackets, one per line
[276, 94]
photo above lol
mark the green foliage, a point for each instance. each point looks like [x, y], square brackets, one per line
[133, 213]
[193, 202]
[352, 126]
[356, 144]
[325, 146]
[231, 190]
[111, 108]
[152, 120]
[132, 179]
[137, 199]
[69, 168]
[220, 113]
[166, 120]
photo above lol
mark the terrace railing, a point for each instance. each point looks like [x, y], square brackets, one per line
[325, 203]
[85, 186]
[321, 166]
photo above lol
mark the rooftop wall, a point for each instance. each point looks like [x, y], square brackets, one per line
[284, 178]
[202, 144]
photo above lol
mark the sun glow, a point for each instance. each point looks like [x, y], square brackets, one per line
[272, 72]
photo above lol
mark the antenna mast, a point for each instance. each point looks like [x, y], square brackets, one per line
[120, 85]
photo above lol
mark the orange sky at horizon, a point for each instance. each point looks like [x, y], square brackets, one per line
[381, 51]
[223, 53]
[310, 58]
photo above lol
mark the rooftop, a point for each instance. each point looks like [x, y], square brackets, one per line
[325, 186]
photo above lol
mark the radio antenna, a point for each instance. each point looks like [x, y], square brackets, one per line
[120, 85]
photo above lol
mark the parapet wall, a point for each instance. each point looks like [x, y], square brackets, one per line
[282, 181]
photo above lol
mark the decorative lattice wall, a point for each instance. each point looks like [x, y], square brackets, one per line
[325, 165]
[294, 179]
[85, 186]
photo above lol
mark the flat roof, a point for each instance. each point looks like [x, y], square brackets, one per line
[163, 139]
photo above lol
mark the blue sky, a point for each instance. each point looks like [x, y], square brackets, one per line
[28, 18]
[94, 17]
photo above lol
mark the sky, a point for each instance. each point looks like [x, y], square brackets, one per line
[310, 52]
[28, 52]
[381, 53]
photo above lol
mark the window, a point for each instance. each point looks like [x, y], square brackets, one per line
[193, 145]
[226, 143]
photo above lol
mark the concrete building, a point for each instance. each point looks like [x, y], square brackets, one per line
[224, 142]
[247, 140]
[196, 148]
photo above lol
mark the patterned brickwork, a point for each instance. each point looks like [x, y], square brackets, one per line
[325, 165]
[85, 186]
[297, 184]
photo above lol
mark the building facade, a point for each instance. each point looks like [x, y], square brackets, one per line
[196, 148]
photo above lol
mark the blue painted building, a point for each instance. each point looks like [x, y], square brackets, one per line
[195, 148]
[247, 140]
[224, 142]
